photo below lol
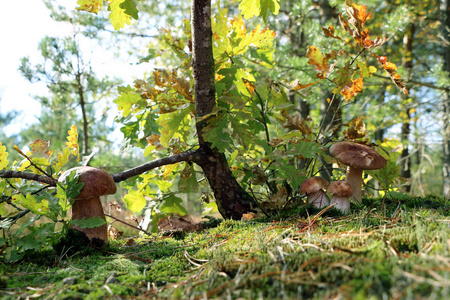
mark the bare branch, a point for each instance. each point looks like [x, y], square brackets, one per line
[191, 155]
[427, 84]
[29, 176]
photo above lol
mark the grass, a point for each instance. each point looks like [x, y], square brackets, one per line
[392, 249]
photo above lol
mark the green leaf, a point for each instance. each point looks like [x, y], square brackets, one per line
[118, 16]
[30, 202]
[172, 205]
[135, 200]
[171, 123]
[250, 8]
[130, 8]
[269, 5]
[188, 181]
[126, 100]
[218, 133]
[88, 223]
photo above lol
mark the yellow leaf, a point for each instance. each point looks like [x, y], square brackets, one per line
[92, 6]
[40, 148]
[3, 157]
[73, 141]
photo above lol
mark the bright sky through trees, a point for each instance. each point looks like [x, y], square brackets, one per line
[21, 35]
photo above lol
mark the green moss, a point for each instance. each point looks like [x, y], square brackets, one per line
[399, 250]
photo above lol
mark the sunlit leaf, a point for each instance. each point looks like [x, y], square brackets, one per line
[73, 141]
[92, 6]
[171, 123]
[30, 202]
[3, 157]
[135, 200]
[118, 16]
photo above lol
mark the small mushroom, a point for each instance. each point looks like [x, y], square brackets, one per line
[357, 157]
[313, 188]
[87, 204]
[341, 191]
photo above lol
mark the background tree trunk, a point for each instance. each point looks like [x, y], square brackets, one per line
[445, 98]
[407, 63]
[232, 200]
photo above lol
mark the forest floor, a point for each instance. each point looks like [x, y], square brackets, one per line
[392, 249]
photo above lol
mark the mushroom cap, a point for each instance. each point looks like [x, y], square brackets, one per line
[97, 182]
[357, 156]
[313, 185]
[340, 189]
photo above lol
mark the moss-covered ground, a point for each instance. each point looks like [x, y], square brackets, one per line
[391, 249]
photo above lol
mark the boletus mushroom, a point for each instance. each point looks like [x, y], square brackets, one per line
[341, 191]
[87, 204]
[357, 157]
[313, 188]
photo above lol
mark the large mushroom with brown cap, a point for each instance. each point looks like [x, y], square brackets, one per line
[357, 157]
[313, 188]
[342, 192]
[87, 204]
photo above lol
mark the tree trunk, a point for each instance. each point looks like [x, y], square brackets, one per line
[331, 112]
[232, 200]
[407, 63]
[445, 100]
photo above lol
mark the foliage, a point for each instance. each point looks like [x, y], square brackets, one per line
[270, 149]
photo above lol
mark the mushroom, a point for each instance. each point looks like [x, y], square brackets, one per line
[87, 204]
[341, 191]
[313, 188]
[357, 157]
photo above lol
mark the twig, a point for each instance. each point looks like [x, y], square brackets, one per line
[132, 226]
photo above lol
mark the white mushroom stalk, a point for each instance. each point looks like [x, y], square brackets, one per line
[314, 189]
[342, 192]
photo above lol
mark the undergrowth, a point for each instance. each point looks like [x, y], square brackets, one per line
[387, 249]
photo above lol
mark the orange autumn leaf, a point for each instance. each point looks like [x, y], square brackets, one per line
[391, 69]
[352, 89]
[297, 86]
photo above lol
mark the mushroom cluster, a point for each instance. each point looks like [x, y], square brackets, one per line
[314, 188]
[357, 157]
[87, 204]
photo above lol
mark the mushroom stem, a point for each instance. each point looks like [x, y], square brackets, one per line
[319, 199]
[354, 178]
[343, 203]
[86, 208]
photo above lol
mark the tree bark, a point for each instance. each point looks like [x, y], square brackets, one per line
[407, 63]
[445, 98]
[232, 200]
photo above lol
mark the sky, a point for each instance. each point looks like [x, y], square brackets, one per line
[21, 30]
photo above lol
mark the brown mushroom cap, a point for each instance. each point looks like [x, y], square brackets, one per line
[313, 185]
[97, 182]
[357, 156]
[340, 189]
